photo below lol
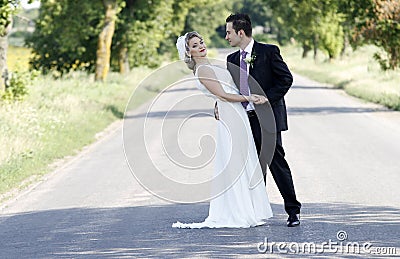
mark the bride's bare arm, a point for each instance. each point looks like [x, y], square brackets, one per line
[208, 78]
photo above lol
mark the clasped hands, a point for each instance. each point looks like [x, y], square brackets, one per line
[257, 99]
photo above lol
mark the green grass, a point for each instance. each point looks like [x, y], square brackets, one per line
[56, 119]
[59, 117]
[357, 73]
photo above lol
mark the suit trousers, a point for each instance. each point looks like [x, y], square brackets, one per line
[278, 166]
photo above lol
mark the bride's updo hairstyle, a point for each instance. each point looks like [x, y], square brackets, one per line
[182, 44]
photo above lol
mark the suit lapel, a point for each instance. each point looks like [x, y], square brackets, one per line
[235, 60]
[253, 54]
[255, 70]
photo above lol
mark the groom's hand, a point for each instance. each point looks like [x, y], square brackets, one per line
[260, 99]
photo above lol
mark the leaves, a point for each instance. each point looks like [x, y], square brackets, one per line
[64, 39]
[381, 26]
[7, 9]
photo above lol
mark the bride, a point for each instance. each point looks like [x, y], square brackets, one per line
[245, 202]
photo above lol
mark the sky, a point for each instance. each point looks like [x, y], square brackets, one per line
[25, 4]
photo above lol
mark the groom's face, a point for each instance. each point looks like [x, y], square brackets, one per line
[231, 36]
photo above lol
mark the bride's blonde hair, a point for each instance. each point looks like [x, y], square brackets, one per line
[190, 63]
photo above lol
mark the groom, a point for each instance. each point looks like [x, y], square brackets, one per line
[259, 66]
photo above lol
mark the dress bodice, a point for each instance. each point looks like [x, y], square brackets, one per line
[223, 77]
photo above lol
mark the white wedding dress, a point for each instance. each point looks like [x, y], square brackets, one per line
[241, 200]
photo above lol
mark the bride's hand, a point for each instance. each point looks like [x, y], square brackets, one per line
[253, 98]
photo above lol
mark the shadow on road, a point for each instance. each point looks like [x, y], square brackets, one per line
[313, 87]
[173, 114]
[323, 110]
[146, 231]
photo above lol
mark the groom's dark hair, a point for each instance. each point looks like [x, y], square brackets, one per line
[240, 21]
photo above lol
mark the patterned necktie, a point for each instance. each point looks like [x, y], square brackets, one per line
[244, 84]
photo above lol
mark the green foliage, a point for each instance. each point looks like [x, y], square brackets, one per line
[7, 9]
[260, 13]
[64, 39]
[196, 21]
[218, 41]
[283, 19]
[17, 86]
[151, 23]
[357, 73]
[191, 16]
[380, 25]
[315, 24]
[331, 34]
[265, 38]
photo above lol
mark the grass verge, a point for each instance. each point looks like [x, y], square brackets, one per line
[58, 118]
[18, 58]
[356, 72]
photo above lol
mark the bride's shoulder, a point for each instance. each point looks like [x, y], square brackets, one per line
[205, 71]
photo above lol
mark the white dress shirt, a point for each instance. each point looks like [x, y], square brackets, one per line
[248, 49]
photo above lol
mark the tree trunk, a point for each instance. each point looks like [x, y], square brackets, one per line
[3, 57]
[394, 58]
[306, 49]
[279, 37]
[105, 40]
[331, 57]
[346, 44]
[123, 60]
[315, 46]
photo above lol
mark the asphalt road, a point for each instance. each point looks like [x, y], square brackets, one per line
[344, 154]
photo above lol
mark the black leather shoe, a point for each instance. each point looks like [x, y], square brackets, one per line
[293, 220]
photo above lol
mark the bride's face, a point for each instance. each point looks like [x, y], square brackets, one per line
[197, 48]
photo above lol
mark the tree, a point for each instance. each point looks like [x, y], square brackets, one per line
[194, 20]
[122, 36]
[150, 23]
[315, 24]
[90, 39]
[130, 33]
[66, 40]
[380, 25]
[7, 9]
[259, 12]
[146, 30]
[307, 21]
[283, 20]
[331, 37]
[103, 53]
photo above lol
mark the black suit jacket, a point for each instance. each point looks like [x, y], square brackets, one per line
[270, 76]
